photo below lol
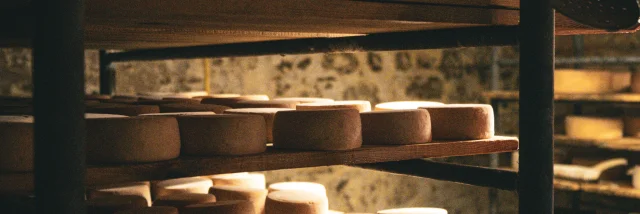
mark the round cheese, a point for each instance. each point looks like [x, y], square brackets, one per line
[219, 95]
[394, 127]
[182, 100]
[571, 81]
[305, 99]
[399, 105]
[461, 121]
[243, 179]
[635, 174]
[132, 139]
[115, 203]
[184, 199]
[128, 110]
[587, 127]
[256, 196]
[182, 107]
[414, 210]
[170, 94]
[360, 105]
[230, 101]
[222, 207]
[150, 210]
[181, 113]
[318, 129]
[266, 104]
[169, 101]
[224, 134]
[268, 114]
[310, 187]
[16, 143]
[199, 185]
[299, 202]
[136, 188]
[635, 82]
[632, 126]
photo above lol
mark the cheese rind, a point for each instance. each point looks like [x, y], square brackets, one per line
[360, 105]
[180, 113]
[150, 210]
[256, 196]
[400, 105]
[414, 210]
[268, 114]
[182, 107]
[230, 101]
[248, 180]
[632, 126]
[266, 104]
[587, 127]
[132, 139]
[305, 99]
[128, 110]
[396, 127]
[115, 203]
[461, 121]
[223, 134]
[311, 187]
[329, 130]
[222, 207]
[136, 188]
[299, 202]
[571, 81]
[183, 199]
[199, 185]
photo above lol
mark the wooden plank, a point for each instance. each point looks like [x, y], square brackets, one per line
[633, 98]
[608, 188]
[273, 159]
[625, 144]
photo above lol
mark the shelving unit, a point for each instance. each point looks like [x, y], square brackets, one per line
[218, 28]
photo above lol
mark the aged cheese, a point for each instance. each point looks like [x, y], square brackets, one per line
[338, 129]
[115, 203]
[182, 185]
[587, 127]
[266, 104]
[223, 134]
[635, 175]
[184, 199]
[170, 94]
[305, 99]
[390, 127]
[360, 105]
[230, 101]
[414, 210]
[635, 82]
[128, 110]
[269, 115]
[299, 202]
[181, 113]
[242, 179]
[150, 210]
[398, 105]
[135, 188]
[571, 81]
[132, 139]
[632, 126]
[182, 107]
[621, 81]
[256, 196]
[461, 121]
[221, 207]
[311, 187]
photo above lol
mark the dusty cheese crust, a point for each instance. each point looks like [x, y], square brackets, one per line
[399, 105]
[461, 121]
[185, 107]
[586, 127]
[230, 101]
[182, 185]
[268, 114]
[242, 179]
[183, 199]
[571, 81]
[135, 188]
[223, 134]
[266, 104]
[395, 127]
[299, 202]
[329, 130]
[360, 105]
[256, 196]
[128, 110]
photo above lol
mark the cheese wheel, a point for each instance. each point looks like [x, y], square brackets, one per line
[229, 101]
[163, 101]
[586, 127]
[395, 127]
[136, 188]
[399, 105]
[189, 94]
[571, 81]
[299, 202]
[181, 113]
[224, 134]
[256, 196]
[243, 179]
[129, 110]
[222, 207]
[635, 82]
[461, 121]
[635, 174]
[132, 139]
[318, 129]
[184, 199]
[219, 95]
[305, 99]
[16, 144]
[182, 107]
[414, 210]
[266, 104]
[97, 97]
[360, 105]
[149, 98]
[310, 187]
[150, 210]
[268, 114]
[632, 126]
[182, 100]
[199, 185]
[621, 81]
[115, 203]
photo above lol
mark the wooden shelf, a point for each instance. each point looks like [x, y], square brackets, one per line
[126, 24]
[616, 189]
[629, 144]
[633, 98]
[271, 160]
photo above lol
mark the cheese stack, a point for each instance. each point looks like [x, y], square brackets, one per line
[182, 185]
[180, 113]
[299, 202]
[394, 127]
[182, 107]
[230, 101]
[224, 134]
[268, 114]
[414, 210]
[256, 196]
[136, 188]
[115, 203]
[327, 130]
[266, 104]
[305, 99]
[314, 188]
[587, 127]
[128, 110]
[461, 121]
[150, 210]
[222, 207]
[399, 105]
[360, 105]
[242, 179]
[183, 199]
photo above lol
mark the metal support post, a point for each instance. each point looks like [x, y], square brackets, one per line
[107, 74]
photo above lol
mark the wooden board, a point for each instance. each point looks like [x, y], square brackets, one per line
[624, 144]
[128, 24]
[612, 98]
[618, 189]
[271, 160]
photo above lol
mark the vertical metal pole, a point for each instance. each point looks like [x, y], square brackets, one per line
[58, 80]
[535, 180]
[107, 74]
[494, 159]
